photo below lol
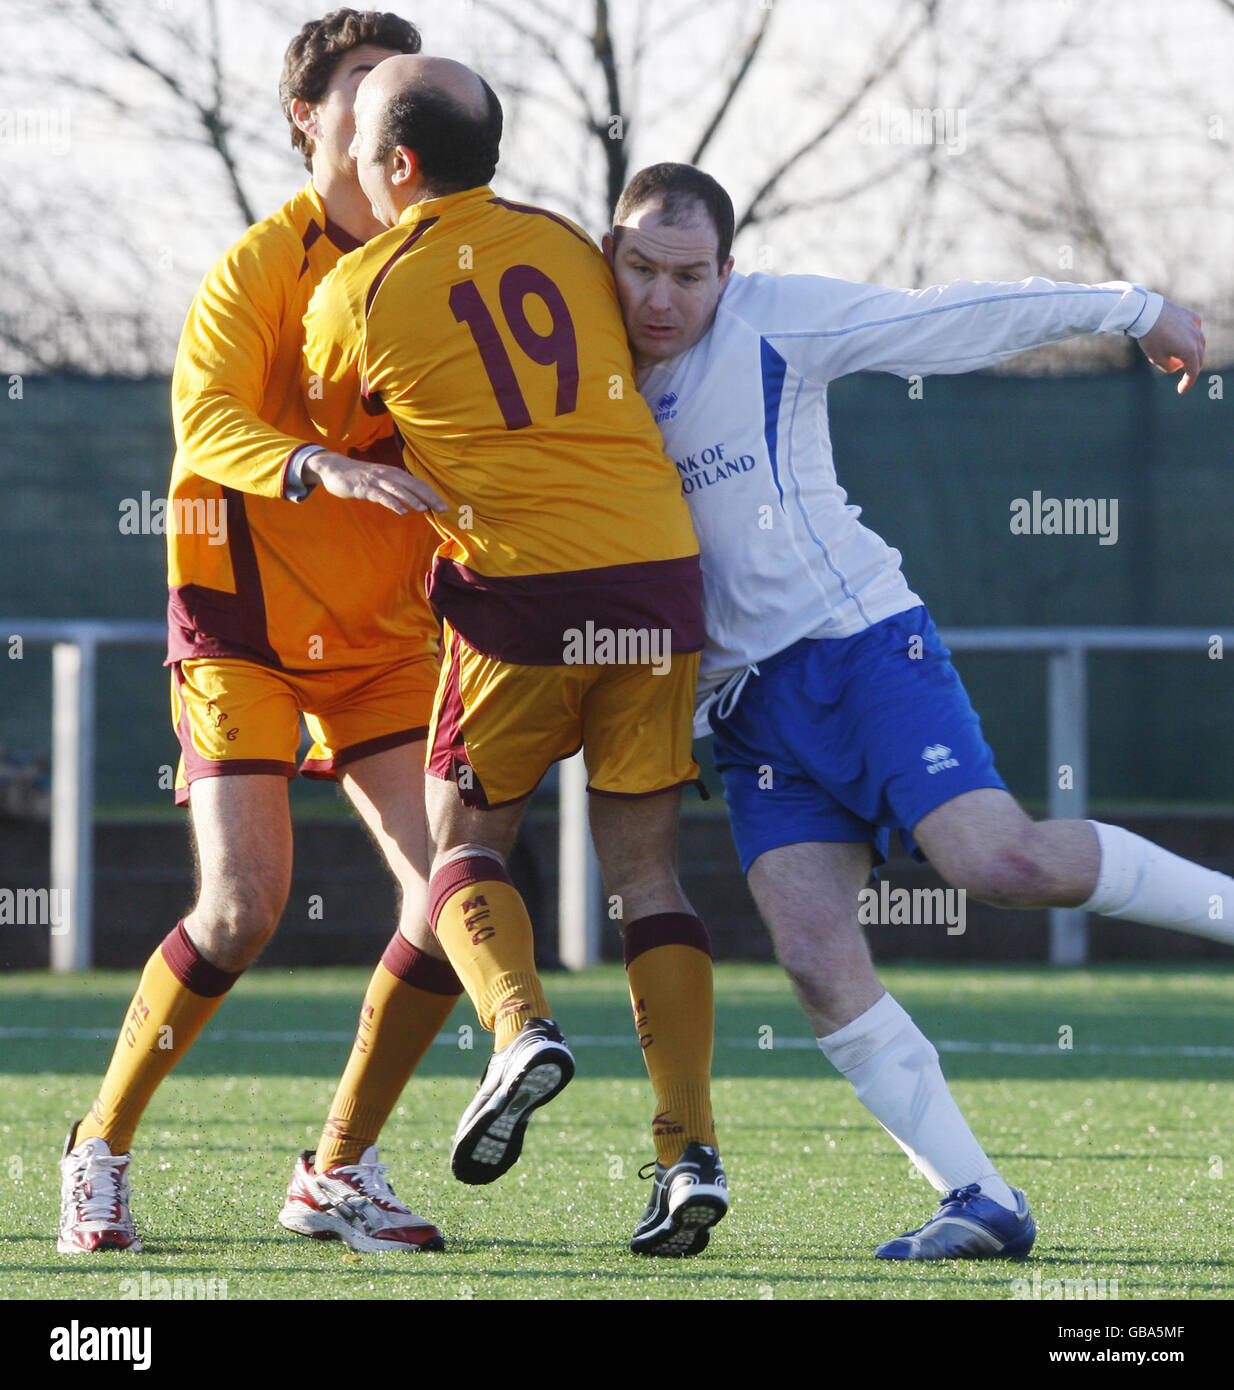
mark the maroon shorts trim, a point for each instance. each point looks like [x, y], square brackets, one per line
[664, 929]
[473, 797]
[324, 769]
[238, 767]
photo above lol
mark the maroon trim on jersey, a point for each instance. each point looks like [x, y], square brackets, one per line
[542, 212]
[324, 769]
[524, 619]
[341, 238]
[414, 967]
[664, 929]
[388, 450]
[192, 969]
[389, 265]
[460, 873]
[212, 622]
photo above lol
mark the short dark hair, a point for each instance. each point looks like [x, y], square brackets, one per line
[680, 191]
[455, 148]
[313, 56]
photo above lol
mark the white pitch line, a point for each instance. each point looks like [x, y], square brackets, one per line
[623, 1040]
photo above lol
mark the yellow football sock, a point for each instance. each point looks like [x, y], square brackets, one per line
[668, 965]
[483, 927]
[177, 996]
[406, 1005]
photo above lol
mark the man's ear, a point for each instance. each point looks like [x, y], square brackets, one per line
[727, 271]
[608, 246]
[406, 166]
[304, 117]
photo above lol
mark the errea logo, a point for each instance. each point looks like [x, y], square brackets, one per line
[664, 407]
[938, 758]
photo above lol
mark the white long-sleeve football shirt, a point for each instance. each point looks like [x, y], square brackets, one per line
[744, 417]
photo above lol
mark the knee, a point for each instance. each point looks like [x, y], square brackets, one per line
[231, 928]
[814, 965]
[1015, 876]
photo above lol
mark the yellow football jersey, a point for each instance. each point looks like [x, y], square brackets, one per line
[491, 332]
[329, 582]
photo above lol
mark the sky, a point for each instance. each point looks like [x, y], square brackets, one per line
[1080, 139]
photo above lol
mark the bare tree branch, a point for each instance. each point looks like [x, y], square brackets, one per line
[615, 159]
[843, 195]
[548, 46]
[879, 70]
[212, 118]
[1089, 224]
[734, 86]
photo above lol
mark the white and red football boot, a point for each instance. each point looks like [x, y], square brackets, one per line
[94, 1199]
[355, 1204]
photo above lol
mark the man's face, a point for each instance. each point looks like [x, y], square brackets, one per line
[334, 113]
[377, 176]
[667, 280]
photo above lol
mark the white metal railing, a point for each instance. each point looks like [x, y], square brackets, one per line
[75, 646]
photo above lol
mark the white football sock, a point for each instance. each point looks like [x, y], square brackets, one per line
[895, 1070]
[1142, 882]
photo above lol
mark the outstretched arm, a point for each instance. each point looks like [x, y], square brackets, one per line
[829, 328]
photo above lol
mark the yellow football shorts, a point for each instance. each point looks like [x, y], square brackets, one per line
[234, 717]
[497, 727]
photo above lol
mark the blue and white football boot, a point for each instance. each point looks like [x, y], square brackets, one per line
[968, 1226]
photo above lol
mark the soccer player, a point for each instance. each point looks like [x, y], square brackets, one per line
[569, 584]
[823, 678]
[282, 610]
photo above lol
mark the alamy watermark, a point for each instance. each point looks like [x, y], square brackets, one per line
[1066, 516]
[914, 125]
[148, 515]
[926, 907]
[35, 907]
[48, 126]
[622, 646]
[1039, 1288]
[180, 1287]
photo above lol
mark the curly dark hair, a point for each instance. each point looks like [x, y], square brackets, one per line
[315, 53]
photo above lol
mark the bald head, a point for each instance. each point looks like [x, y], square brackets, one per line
[418, 75]
[425, 127]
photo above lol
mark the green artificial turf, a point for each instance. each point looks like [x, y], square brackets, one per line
[1122, 1141]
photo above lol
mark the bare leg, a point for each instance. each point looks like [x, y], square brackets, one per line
[807, 896]
[242, 833]
[387, 790]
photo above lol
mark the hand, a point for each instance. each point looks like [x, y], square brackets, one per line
[371, 482]
[1175, 343]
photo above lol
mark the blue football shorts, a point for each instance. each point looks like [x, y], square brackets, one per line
[846, 739]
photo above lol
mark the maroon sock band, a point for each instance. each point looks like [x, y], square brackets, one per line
[411, 965]
[665, 929]
[192, 969]
[458, 873]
